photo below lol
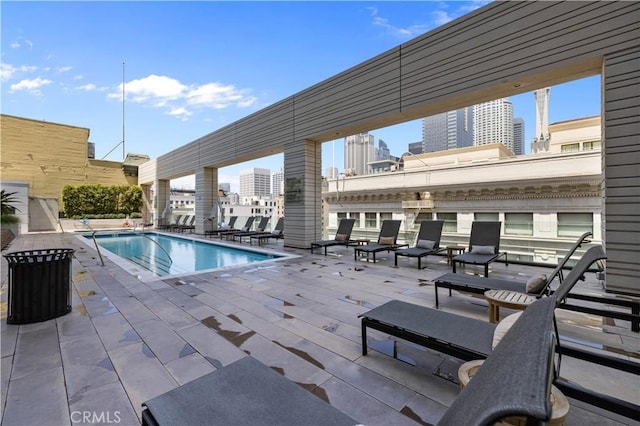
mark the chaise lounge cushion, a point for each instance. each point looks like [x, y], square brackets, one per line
[502, 328]
[426, 244]
[387, 240]
[536, 283]
[483, 250]
[341, 237]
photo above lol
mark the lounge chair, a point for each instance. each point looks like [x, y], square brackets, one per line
[223, 228]
[190, 225]
[468, 338]
[343, 236]
[427, 241]
[247, 226]
[478, 285]
[484, 246]
[167, 226]
[516, 378]
[262, 225]
[387, 240]
[176, 226]
[245, 392]
[277, 233]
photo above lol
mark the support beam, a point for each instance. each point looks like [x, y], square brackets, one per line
[161, 202]
[621, 156]
[206, 196]
[302, 193]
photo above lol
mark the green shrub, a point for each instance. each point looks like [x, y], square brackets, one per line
[92, 200]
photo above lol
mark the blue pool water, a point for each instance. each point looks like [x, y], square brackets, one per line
[167, 255]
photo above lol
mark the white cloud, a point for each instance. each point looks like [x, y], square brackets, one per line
[15, 45]
[179, 99]
[32, 86]
[64, 69]
[8, 71]
[407, 32]
[90, 87]
[439, 17]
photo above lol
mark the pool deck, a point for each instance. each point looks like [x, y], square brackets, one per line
[128, 340]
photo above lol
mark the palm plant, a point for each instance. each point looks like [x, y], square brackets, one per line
[7, 208]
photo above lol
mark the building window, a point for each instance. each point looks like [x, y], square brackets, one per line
[341, 215]
[518, 223]
[574, 224]
[571, 147]
[370, 220]
[486, 217]
[590, 146]
[424, 216]
[385, 216]
[356, 216]
[450, 221]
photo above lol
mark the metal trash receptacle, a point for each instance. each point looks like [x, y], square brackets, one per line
[39, 285]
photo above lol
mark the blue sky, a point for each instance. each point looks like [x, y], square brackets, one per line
[193, 67]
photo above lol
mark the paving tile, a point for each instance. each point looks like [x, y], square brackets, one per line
[44, 387]
[36, 351]
[189, 367]
[424, 410]
[9, 335]
[295, 368]
[171, 314]
[377, 385]
[76, 324]
[161, 339]
[87, 365]
[115, 331]
[6, 362]
[209, 344]
[141, 374]
[131, 308]
[107, 404]
[359, 405]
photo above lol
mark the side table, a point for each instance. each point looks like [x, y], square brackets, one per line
[506, 299]
[454, 249]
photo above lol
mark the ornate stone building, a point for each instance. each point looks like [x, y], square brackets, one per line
[543, 201]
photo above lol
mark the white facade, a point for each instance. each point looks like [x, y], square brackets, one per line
[493, 123]
[359, 151]
[544, 202]
[255, 182]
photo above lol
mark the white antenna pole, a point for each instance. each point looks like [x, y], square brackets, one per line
[123, 149]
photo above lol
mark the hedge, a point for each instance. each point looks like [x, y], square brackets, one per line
[84, 200]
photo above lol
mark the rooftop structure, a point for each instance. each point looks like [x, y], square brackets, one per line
[443, 70]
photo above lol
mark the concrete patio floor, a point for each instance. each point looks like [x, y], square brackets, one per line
[128, 340]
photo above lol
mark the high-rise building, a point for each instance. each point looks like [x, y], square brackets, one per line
[255, 182]
[416, 147]
[493, 123]
[226, 187]
[331, 173]
[518, 136]
[277, 183]
[448, 130]
[382, 152]
[540, 141]
[358, 153]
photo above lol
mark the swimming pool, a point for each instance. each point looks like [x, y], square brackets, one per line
[165, 255]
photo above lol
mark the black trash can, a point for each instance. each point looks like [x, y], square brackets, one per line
[39, 285]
